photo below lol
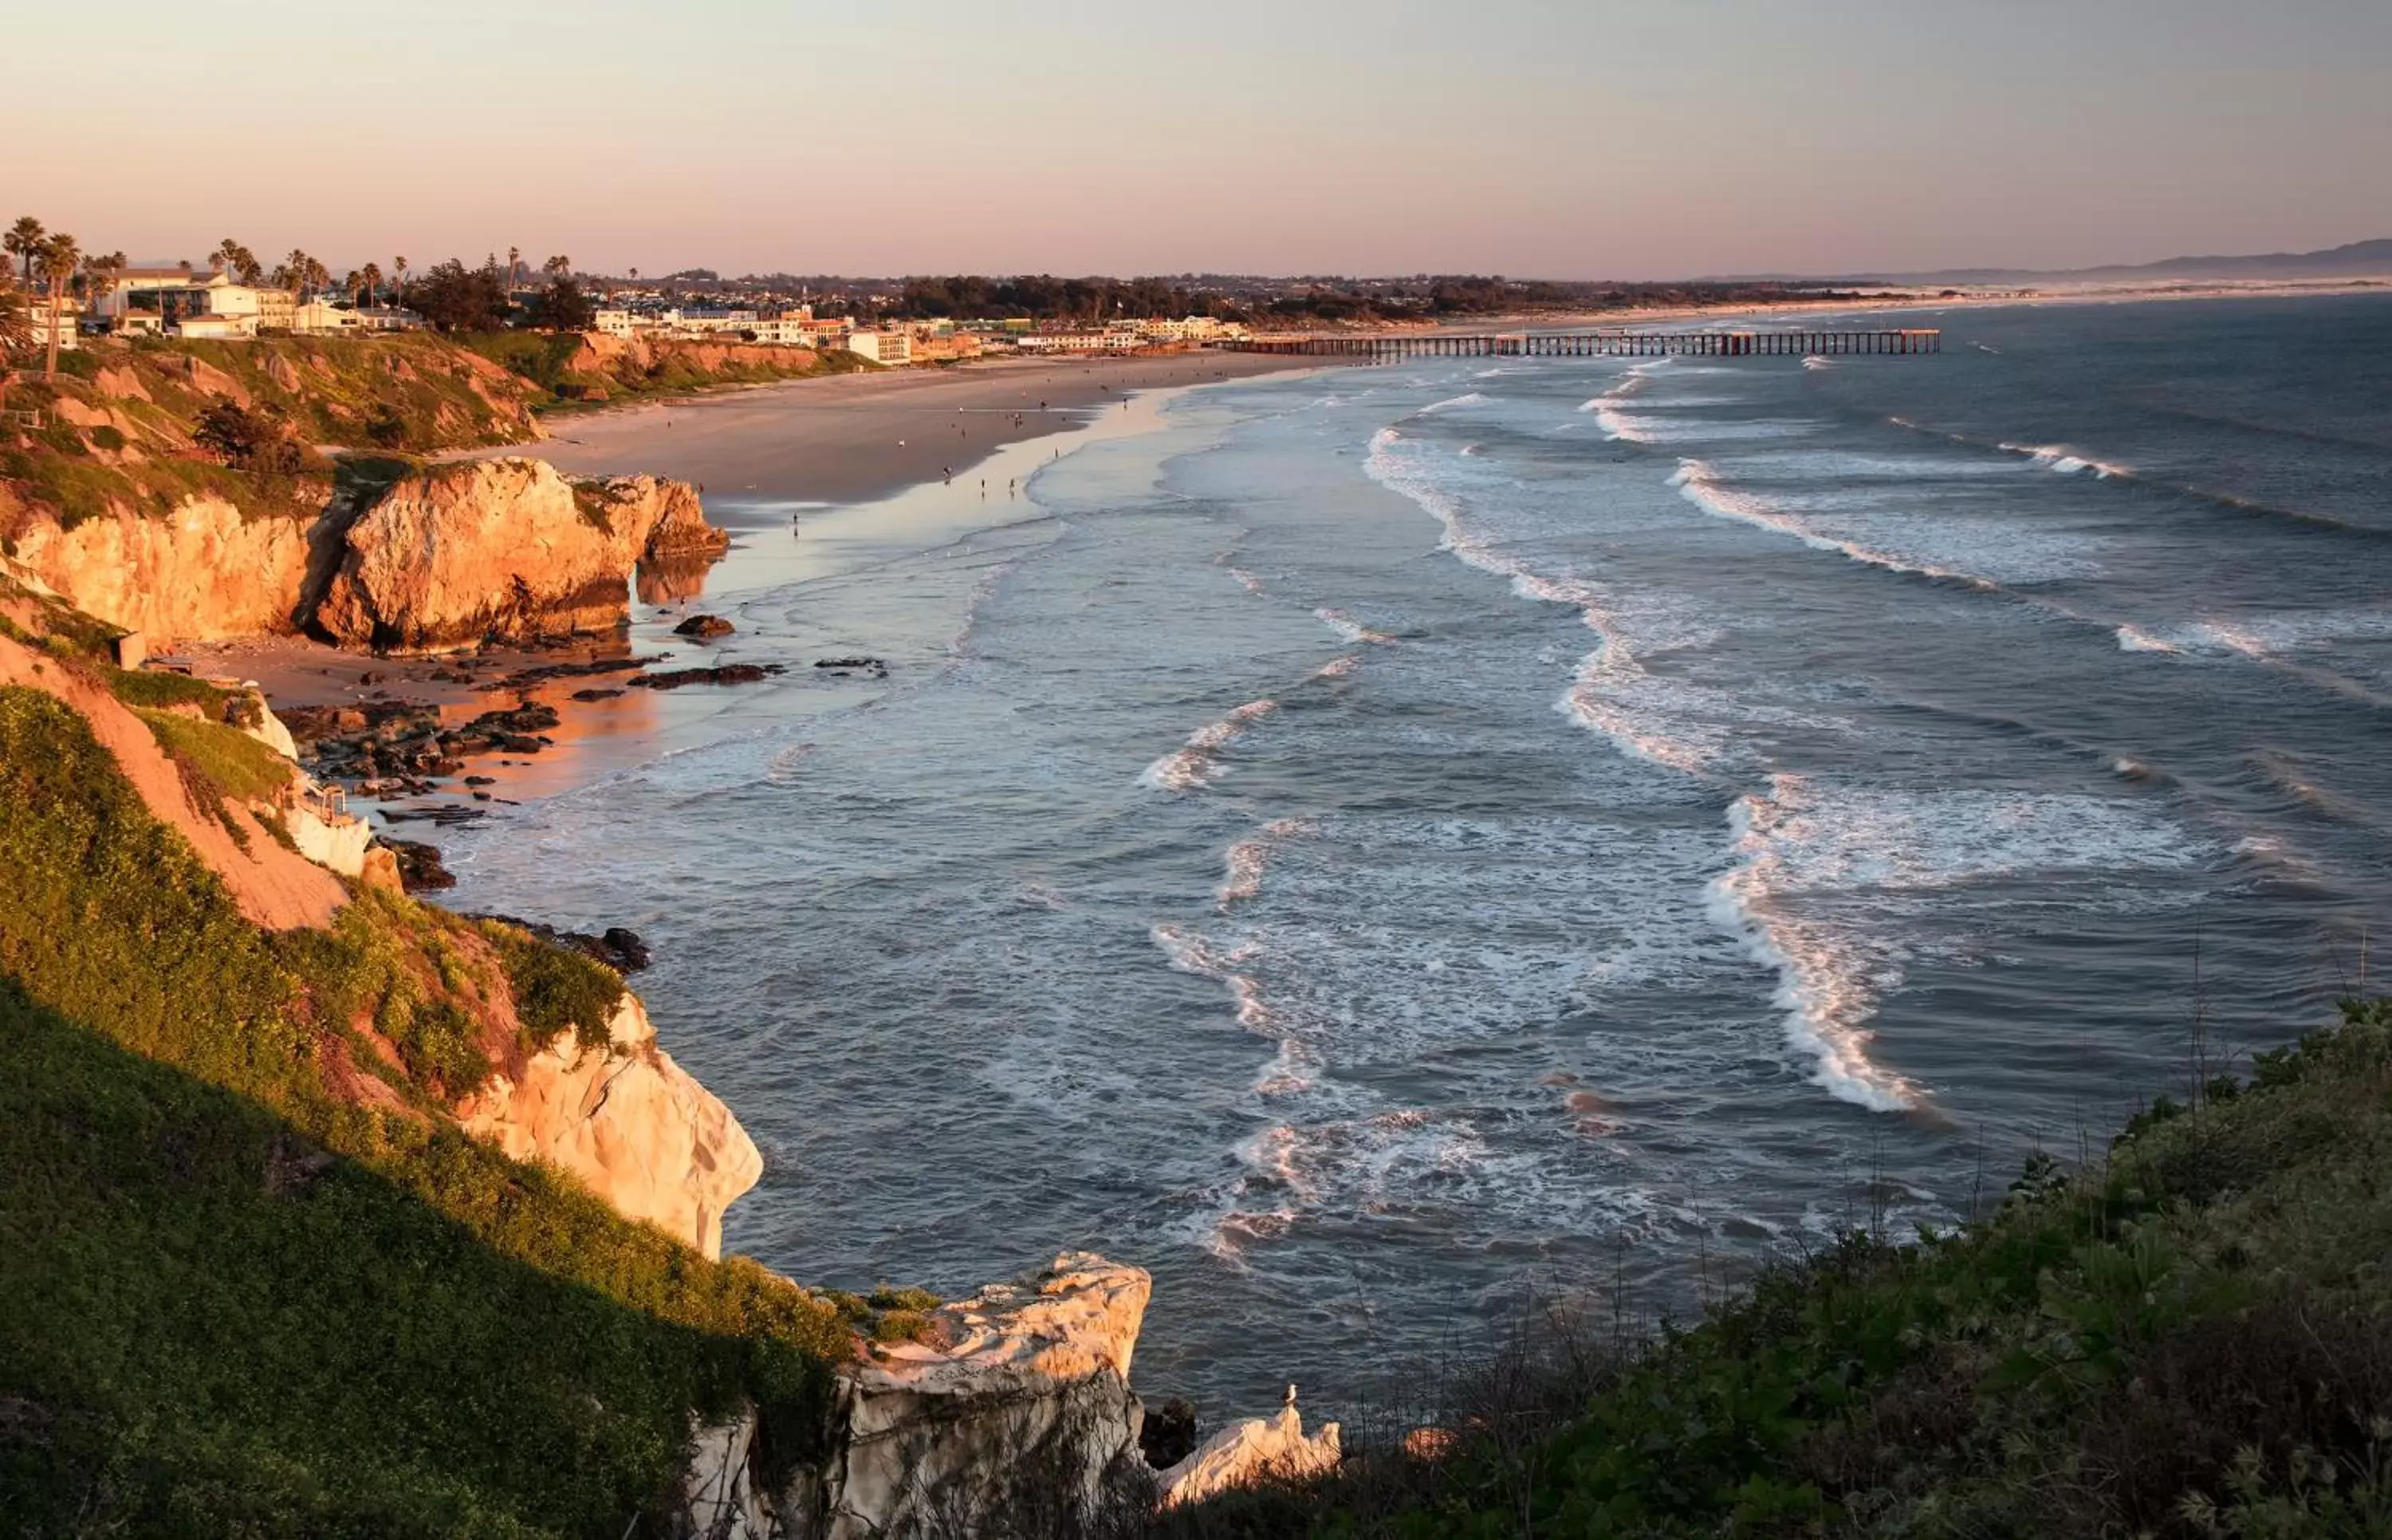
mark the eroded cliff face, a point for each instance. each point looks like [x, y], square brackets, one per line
[627, 1122]
[504, 548]
[197, 574]
[1015, 1409]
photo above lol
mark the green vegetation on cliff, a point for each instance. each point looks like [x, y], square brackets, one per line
[238, 1295]
[568, 371]
[2192, 1338]
[145, 424]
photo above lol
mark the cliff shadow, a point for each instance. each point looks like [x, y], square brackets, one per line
[209, 1323]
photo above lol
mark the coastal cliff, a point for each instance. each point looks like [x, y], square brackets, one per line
[442, 558]
[200, 572]
[1012, 1413]
[422, 1198]
[502, 549]
[624, 1120]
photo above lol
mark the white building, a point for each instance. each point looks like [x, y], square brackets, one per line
[882, 347]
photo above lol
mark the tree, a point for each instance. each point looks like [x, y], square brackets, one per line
[558, 268]
[398, 280]
[456, 298]
[248, 441]
[514, 266]
[562, 307]
[367, 278]
[303, 272]
[24, 241]
[59, 255]
[99, 275]
[237, 261]
[15, 327]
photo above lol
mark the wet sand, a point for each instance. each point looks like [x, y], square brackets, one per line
[846, 438]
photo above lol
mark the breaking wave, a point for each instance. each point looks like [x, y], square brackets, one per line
[1194, 765]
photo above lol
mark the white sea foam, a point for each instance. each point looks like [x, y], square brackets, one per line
[2133, 638]
[1613, 693]
[1473, 399]
[1194, 765]
[1816, 362]
[1820, 875]
[1348, 628]
[1246, 861]
[1702, 484]
[1246, 580]
[1338, 668]
[2067, 461]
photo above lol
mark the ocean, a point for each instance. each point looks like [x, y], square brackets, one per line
[1381, 846]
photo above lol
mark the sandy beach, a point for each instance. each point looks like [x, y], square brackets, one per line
[844, 438]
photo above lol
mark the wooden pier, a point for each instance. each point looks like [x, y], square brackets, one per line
[1382, 347]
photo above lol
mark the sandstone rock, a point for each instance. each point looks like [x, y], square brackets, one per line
[504, 549]
[198, 574]
[1259, 1449]
[1016, 1417]
[706, 627]
[629, 1123]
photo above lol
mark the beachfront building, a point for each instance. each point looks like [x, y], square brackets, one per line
[616, 323]
[1081, 342]
[882, 347]
[67, 317]
[158, 299]
[789, 331]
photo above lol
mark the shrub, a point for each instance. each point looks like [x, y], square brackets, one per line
[107, 436]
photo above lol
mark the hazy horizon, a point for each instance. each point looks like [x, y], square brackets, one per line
[1597, 141]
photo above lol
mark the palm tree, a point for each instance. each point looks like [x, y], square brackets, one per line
[15, 327]
[370, 276]
[24, 240]
[294, 272]
[99, 276]
[514, 264]
[59, 255]
[558, 266]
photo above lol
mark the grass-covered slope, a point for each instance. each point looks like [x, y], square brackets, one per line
[237, 1296]
[121, 429]
[569, 371]
[2192, 1339]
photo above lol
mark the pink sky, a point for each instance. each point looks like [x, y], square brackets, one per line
[1529, 138]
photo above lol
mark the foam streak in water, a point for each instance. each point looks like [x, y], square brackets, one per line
[1826, 989]
[1195, 765]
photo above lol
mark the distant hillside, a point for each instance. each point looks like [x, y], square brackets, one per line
[2359, 259]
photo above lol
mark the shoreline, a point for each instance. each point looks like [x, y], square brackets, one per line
[600, 723]
[835, 439]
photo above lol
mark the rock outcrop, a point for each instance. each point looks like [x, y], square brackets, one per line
[627, 1122]
[1013, 1415]
[201, 571]
[504, 548]
[1248, 1453]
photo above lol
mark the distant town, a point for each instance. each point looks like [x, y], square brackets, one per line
[233, 295]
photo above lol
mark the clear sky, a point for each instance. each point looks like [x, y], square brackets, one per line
[1567, 138]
